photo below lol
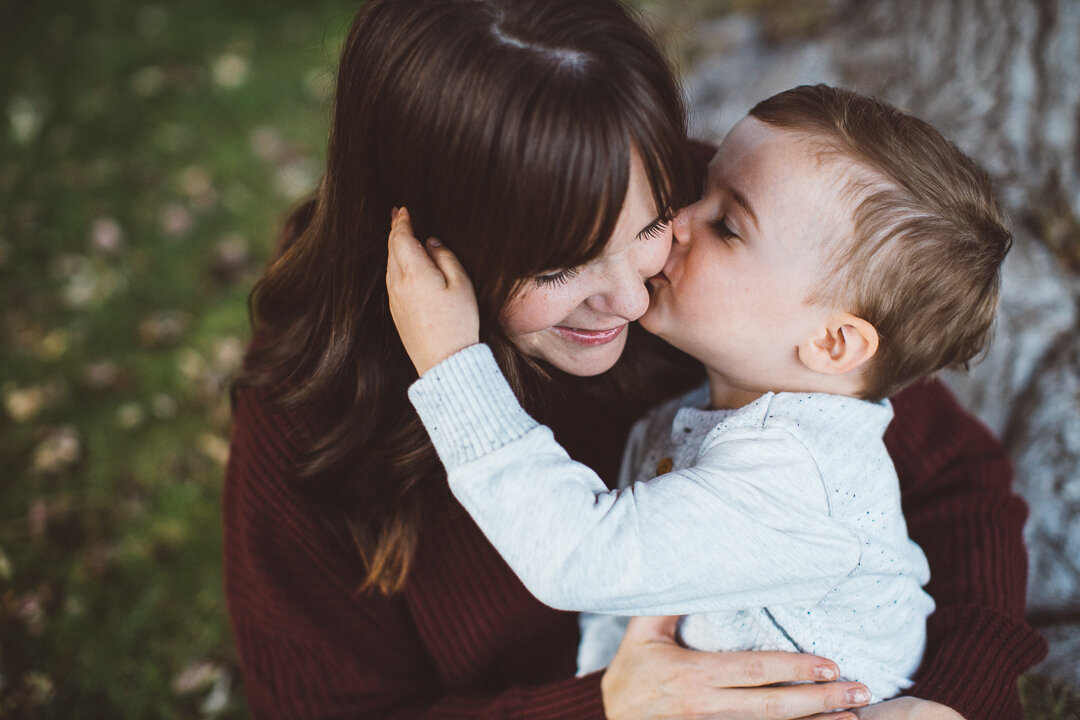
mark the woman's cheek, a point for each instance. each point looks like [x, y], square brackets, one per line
[532, 309]
[656, 253]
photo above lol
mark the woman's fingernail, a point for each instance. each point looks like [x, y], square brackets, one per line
[393, 214]
[858, 696]
[434, 242]
[825, 672]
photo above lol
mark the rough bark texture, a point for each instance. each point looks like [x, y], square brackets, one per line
[1003, 81]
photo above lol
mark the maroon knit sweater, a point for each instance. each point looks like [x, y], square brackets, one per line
[465, 639]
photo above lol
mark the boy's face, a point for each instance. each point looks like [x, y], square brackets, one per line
[748, 254]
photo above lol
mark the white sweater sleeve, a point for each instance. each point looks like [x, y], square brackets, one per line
[747, 526]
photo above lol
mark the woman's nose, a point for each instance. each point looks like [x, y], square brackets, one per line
[626, 297]
[632, 302]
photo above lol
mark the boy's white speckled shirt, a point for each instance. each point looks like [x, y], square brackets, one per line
[778, 528]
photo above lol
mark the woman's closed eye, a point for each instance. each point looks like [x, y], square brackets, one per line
[556, 278]
[656, 228]
[720, 228]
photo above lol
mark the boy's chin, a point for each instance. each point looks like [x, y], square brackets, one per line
[651, 322]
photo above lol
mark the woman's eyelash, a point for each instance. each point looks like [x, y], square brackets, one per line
[720, 227]
[556, 278]
[656, 229]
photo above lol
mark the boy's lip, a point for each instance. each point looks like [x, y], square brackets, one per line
[582, 336]
[660, 277]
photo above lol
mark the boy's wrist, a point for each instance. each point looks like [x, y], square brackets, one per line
[425, 361]
[467, 406]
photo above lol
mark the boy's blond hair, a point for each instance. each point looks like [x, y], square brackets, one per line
[923, 265]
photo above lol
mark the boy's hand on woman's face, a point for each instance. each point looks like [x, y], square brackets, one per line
[431, 298]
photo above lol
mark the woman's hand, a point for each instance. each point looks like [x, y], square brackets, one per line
[908, 708]
[431, 298]
[651, 676]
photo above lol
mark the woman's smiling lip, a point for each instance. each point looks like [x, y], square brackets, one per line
[589, 337]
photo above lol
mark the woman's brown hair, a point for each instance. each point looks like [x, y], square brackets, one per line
[506, 127]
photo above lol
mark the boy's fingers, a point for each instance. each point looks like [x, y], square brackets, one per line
[447, 262]
[403, 248]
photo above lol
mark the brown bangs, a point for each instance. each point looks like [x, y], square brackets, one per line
[526, 154]
[567, 170]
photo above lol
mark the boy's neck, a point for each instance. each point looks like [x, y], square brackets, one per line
[724, 395]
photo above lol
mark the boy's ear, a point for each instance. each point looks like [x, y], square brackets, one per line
[841, 345]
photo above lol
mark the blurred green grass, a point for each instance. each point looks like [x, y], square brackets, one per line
[148, 153]
[147, 156]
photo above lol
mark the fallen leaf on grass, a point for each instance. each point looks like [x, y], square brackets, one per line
[214, 447]
[163, 328]
[176, 220]
[101, 374]
[59, 451]
[106, 235]
[23, 404]
[197, 676]
[229, 71]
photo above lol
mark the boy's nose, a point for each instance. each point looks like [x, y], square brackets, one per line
[680, 226]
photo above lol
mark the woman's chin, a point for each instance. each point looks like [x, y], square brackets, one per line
[581, 359]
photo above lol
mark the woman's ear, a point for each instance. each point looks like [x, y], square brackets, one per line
[841, 345]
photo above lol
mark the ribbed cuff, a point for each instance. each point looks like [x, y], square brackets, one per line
[570, 699]
[975, 662]
[468, 407]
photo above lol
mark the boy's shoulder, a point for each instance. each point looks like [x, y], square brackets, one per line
[809, 417]
[798, 412]
[841, 412]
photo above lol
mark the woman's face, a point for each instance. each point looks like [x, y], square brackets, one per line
[576, 318]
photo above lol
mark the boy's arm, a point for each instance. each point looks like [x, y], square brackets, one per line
[654, 548]
[955, 480]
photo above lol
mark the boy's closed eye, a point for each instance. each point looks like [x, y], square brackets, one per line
[720, 228]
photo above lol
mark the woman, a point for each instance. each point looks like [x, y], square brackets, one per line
[544, 142]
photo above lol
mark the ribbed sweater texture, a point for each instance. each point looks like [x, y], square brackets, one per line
[466, 640]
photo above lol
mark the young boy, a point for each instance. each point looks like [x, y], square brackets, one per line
[841, 250]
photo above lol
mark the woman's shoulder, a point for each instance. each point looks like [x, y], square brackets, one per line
[269, 515]
[262, 427]
[262, 476]
[262, 415]
[269, 439]
[928, 416]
